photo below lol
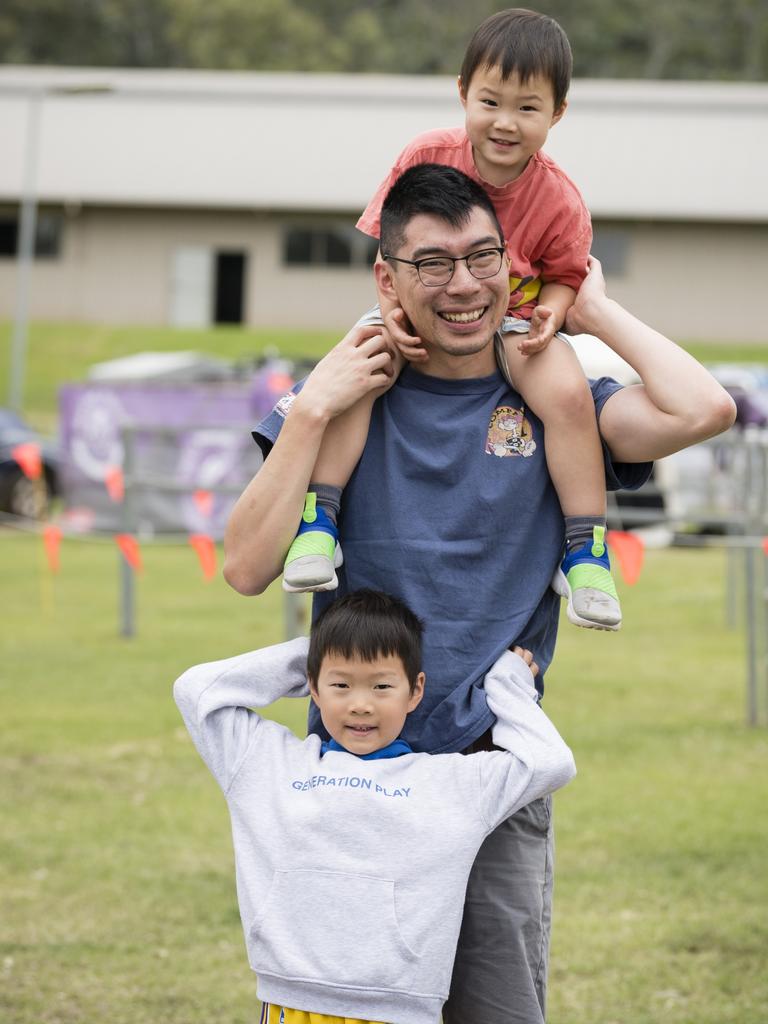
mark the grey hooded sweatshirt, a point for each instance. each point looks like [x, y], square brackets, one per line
[351, 873]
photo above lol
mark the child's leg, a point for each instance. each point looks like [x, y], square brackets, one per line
[314, 556]
[555, 388]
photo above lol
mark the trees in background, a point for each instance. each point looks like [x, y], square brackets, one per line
[694, 39]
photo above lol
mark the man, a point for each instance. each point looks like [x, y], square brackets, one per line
[466, 536]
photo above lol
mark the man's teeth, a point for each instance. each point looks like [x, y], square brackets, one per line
[463, 318]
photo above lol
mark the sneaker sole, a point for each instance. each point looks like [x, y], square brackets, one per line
[317, 588]
[561, 586]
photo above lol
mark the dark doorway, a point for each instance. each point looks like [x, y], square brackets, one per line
[230, 278]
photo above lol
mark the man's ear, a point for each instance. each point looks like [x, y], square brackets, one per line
[385, 279]
[559, 113]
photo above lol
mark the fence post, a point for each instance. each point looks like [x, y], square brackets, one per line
[295, 615]
[755, 487]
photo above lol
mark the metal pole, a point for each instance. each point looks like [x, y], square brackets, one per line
[25, 253]
[127, 576]
[295, 615]
[753, 609]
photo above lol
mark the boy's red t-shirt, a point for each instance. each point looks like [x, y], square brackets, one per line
[546, 225]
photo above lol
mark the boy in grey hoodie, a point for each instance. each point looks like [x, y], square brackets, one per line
[352, 855]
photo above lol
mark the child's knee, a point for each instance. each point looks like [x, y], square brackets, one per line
[571, 400]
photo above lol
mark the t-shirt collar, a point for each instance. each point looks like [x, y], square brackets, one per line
[396, 748]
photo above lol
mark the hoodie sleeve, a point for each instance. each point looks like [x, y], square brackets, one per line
[535, 760]
[216, 699]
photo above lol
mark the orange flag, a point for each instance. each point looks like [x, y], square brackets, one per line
[204, 502]
[130, 549]
[51, 541]
[765, 545]
[115, 483]
[279, 383]
[630, 551]
[28, 457]
[206, 552]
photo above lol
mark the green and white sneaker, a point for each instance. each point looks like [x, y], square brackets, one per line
[315, 555]
[584, 577]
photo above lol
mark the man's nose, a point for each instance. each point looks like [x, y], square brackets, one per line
[462, 281]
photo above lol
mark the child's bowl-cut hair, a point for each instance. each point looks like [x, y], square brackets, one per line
[436, 190]
[366, 624]
[521, 41]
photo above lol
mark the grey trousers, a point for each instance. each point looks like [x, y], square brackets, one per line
[500, 974]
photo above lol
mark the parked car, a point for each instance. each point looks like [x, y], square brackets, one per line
[18, 494]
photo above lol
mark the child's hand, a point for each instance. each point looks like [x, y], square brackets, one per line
[410, 345]
[528, 659]
[541, 332]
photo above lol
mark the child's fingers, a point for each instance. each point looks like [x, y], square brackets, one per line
[527, 657]
[529, 346]
[415, 353]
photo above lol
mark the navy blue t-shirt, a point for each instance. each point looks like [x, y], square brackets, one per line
[452, 510]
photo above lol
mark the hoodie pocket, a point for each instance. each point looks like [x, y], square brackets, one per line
[333, 927]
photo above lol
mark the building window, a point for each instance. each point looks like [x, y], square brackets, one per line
[335, 245]
[611, 245]
[47, 235]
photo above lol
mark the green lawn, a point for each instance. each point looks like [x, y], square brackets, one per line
[116, 881]
[59, 352]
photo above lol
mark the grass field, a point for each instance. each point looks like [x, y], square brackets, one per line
[116, 881]
[59, 353]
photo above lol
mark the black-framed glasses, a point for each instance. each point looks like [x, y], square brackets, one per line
[436, 270]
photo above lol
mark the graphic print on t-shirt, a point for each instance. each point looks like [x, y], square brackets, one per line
[509, 433]
[522, 290]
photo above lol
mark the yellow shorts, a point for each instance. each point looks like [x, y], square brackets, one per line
[282, 1015]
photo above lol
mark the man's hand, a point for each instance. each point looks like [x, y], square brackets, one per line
[583, 316]
[359, 364]
[527, 658]
[409, 345]
[541, 332]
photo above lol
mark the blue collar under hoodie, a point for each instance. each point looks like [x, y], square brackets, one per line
[351, 872]
[396, 748]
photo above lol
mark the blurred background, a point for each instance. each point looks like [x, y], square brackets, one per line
[179, 185]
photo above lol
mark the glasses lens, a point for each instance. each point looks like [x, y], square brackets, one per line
[435, 271]
[485, 263]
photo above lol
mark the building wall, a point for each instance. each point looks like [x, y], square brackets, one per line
[692, 281]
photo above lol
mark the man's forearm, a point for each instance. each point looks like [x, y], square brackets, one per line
[264, 520]
[685, 402]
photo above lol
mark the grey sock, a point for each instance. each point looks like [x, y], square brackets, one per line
[578, 529]
[328, 498]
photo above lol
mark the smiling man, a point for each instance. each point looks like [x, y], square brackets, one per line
[452, 510]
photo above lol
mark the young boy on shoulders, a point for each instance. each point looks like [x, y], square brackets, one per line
[352, 855]
[513, 86]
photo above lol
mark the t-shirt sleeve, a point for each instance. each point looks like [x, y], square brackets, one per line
[265, 433]
[564, 257]
[618, 475]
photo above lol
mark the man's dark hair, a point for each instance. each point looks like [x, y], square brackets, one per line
[366, 624]
[433, 189]
[521, 41]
